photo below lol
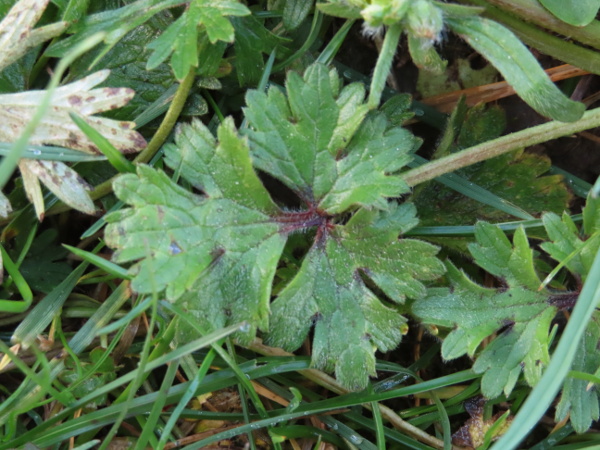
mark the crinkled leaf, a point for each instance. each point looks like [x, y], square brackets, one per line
[319, 143]
[474, 313]
[330, 293]
[185, 238]
[217, 253]
[518, 66]
[181, 37]
[17, 35]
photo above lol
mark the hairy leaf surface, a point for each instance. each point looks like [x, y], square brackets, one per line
[217, 253]
[519, 313]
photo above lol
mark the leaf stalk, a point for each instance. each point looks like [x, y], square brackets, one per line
[496, 147]
[384, 63]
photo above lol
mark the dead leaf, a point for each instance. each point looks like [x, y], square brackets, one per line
[62, 181]
[17, 35]
[57, 128]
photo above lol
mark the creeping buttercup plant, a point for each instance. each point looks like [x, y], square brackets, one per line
[216, 253]
[299, 214]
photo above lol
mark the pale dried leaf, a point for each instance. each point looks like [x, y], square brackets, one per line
[5, 208]
[57, 128]
[63, 182]
[16, 30]
[31, 184]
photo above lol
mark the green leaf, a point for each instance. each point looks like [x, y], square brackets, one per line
[339, 9]
[566, 241]
[217, 253]
[181, 37]
[294, 13]
[185, 237]
[329, 292]
[579, 399]
[578, 13]
[315, 127]
[518, 66]
[520, 314]
[117, 23]
[252, 40]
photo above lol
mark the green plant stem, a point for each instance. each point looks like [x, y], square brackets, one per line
[324, 380]
[557, 47]
[496, 147]
[532, 11]
[154, 145]
[384, 63]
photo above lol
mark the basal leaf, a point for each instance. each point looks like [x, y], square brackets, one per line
[567, 244]
[181, 234]
[576, 249]
[330, 292]
[320, 144]
[217, 252]
[519, 313]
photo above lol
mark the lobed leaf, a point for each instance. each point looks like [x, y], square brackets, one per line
[322, 144]
[567, 245]
[519, 313]
[179, 235]
[181, 37]
[217, 253]
[330, 292]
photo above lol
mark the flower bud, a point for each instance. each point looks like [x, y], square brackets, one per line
[425, 20]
